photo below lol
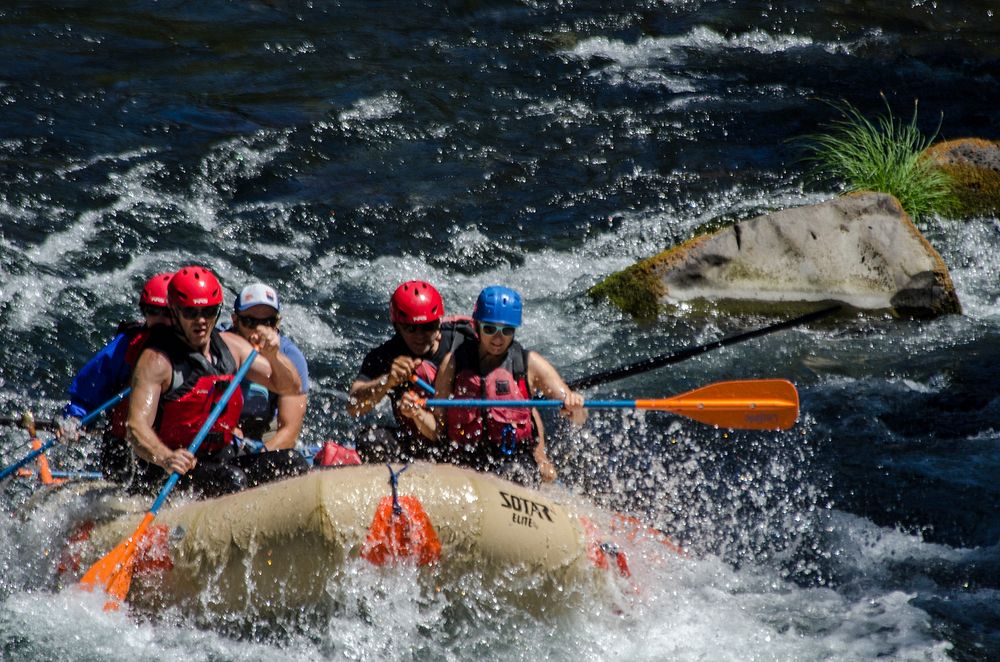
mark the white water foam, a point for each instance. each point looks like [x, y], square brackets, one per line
[648, 50]
[680, 608]
[380, 107]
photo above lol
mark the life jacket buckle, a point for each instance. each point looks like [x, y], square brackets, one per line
[508, 440]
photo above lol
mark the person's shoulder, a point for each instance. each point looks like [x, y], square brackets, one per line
[378, 359]
[129, 327]
[288, 346]
[234, 341]
[528, 354]
[298, 359]
[394, 346]
[120, 340]
[158, 356]
[125, 334]
[292, 351]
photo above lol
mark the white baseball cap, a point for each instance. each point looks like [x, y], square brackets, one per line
[257, 294]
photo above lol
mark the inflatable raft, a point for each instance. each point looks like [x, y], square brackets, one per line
[283, 547]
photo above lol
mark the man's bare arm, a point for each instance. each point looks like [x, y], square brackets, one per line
[150, 378]
[291, 414]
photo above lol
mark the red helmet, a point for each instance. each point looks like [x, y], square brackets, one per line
[195, 287]
[415, 302]
[154, 292]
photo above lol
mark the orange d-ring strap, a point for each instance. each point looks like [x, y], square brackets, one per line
[401, 530]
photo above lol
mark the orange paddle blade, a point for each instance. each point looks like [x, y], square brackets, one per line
[755, 404]
[113, 573]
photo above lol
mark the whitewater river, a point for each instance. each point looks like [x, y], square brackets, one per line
[335, 149]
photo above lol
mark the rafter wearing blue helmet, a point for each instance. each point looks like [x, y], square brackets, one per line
[505, 440]
[498, 305]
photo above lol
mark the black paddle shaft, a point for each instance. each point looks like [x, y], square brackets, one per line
[677, 357]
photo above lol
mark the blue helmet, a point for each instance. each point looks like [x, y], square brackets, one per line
[498, 305]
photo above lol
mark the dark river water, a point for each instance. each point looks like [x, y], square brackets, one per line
[335, 149]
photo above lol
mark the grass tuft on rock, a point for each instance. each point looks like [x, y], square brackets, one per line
[883, 155]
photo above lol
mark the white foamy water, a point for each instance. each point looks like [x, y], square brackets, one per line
[648, 50]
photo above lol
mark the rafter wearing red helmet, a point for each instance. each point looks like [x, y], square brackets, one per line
[108, 372]
[177, 379]
[423, 335]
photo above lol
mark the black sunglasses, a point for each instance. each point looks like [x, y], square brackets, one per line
[492, 329]
[149, 309]
[195, 312]
[428, 327]
[254, 322]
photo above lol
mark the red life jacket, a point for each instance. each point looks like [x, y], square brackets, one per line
[502, 428]
[196, 387]
[137, 335]
[455, 330]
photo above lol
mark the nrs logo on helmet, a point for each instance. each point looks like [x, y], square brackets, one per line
[415, 302]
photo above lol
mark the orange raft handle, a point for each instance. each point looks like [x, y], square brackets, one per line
[400, 530]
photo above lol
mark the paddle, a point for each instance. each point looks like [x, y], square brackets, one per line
[114, 571]
[759, 404]
[68, 475]
[422, 384]
[86, 420]
[677, 357]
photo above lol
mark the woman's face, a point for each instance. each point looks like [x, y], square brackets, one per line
[494, 339]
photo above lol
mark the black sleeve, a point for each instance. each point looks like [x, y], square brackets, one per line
[378, 361]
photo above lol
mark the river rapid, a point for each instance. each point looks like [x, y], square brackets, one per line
[336, 149]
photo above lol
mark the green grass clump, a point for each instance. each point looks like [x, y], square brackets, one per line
[636, 289]
[884, 155]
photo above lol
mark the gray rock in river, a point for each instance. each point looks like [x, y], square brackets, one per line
[860, 249]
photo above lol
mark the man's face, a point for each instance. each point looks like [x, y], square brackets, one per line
[421, 339]
[247, 321]
[196, 324]
[155, 314]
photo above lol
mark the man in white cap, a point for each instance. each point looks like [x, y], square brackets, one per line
[258, 304]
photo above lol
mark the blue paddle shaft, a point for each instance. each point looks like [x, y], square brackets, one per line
[590, 404]
[75, 475]
[86, 420]
[205, 427]
[422, 384]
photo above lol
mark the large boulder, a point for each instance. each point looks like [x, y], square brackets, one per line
[973, 165]
[860, 249]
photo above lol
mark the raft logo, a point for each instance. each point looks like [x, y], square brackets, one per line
[761, 418]
[525, 510]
